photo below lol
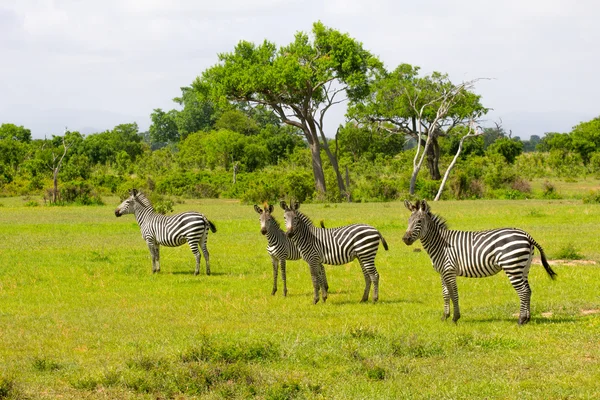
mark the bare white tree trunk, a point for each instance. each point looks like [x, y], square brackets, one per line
[460, 146]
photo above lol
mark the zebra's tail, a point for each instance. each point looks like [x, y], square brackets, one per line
[383, 242]
[212, 226]
[547, 267]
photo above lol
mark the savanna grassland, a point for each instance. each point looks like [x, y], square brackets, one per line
[82, 316]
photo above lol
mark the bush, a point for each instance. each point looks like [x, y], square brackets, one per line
[81, 193]
[593, 197]
[549, 190]
[569, 252]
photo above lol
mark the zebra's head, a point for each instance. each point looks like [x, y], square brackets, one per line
[127, 206]
[290, 216]
[265, 217]
[417, 222]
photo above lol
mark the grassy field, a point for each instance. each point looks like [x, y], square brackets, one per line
[82, 316]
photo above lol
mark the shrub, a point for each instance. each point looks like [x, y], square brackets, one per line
[521, 185]
[569, 252]
[593, 197]
[549, 190]
[81, 193]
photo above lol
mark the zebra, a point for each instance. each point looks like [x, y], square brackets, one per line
[474, 255]
[335, 246]
[172, 231]
[279, 247]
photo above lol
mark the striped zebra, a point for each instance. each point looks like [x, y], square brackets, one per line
[171, 231]
[334, 246]
[474, 255]
[279, 247]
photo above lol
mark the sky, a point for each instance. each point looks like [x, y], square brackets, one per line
[91, 65]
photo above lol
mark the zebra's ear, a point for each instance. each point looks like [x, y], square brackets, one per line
[134, 192]
[283, 205]
[424, 206]
[295, 205]
[271, 208]
[257, 209]
[409, 205]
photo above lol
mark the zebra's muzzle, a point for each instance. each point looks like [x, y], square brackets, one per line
[290, 233]
[263, 231]
[408, 240]
[117, 212]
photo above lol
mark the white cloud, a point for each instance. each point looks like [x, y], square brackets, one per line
[127, 57]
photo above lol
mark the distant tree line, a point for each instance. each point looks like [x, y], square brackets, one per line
[253, 127]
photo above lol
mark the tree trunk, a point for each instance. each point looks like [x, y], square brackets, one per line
[55, 189]
[317, 165]
[336, 169]
[433, 159]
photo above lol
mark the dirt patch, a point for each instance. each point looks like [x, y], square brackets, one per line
[591, 311]
[538, 261]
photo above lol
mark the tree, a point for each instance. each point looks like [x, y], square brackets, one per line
[366, 142]
[199, 112]
[424, 108]
[299, 82]
[237, 121]
[586, 138]
[473, 131]
[54, 158]
[14, 132]
[163, 128]
[507, 148]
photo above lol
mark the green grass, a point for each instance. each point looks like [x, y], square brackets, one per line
[82, 316]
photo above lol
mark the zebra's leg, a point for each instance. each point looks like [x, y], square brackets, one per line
[283, 277]
[323, 282]
[315, 268]
[275, 263]
[450, 281]
[194, 248]
[365, 296]
[520, 282]
[324, 275]
[375, 279]
[446, 296]
[155, 254]
[205, 252]
[371, 277]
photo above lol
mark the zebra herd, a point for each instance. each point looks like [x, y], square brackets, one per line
[453, 253]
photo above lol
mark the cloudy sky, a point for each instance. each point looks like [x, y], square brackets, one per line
[91, 65]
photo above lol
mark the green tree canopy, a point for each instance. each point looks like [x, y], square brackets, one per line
[423, 107]
[299, 82]
[14, 132]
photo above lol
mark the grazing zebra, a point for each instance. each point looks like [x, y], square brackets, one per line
[171, 231]
[334, 246]
[474, 255]
[279, 247]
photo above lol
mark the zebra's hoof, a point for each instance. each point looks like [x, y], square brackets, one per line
[523, 320]
[273, 292]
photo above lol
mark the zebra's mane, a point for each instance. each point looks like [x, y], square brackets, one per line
[305, 218]
[143, 200]
[439, 221]
[275, 221]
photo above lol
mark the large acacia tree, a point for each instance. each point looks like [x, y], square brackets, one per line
[299, 82]
[422, 107]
